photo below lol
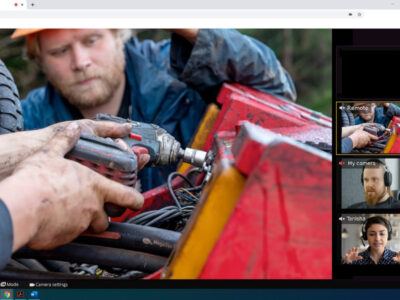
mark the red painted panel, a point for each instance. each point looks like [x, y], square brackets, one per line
[396, 126]
[241, 103]
[281, 226]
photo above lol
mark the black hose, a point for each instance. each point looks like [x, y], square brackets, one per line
[32, 264]
[13, 274]
[56, 266]
[135, 237]
[98, 255]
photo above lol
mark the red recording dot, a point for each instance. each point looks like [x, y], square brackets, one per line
[15, 4]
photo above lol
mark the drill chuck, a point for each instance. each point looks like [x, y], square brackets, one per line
[193, 157]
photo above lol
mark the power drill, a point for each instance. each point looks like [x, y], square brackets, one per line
[375, 128]
[105, 156]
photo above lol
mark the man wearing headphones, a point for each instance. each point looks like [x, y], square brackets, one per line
[377, 231]
[376, 180]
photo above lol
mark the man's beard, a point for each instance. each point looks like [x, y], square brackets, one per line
[368, 119]
[372, 200]
[98, 92]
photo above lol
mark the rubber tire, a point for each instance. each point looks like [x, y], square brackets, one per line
[11, 119]
[345, 118]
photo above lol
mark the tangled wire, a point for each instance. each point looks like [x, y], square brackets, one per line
[173, 217]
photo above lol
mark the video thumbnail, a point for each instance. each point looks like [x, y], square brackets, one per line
[369, 239]
[368, 127]
[370, 183]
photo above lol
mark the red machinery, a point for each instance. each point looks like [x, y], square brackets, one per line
[266, 212]
[393, 145]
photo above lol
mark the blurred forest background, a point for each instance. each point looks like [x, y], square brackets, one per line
[305, 53]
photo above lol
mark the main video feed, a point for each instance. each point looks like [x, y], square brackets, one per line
[370, 239]
[146, 154]
[368, 127]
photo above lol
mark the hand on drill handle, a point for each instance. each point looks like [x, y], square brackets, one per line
[107, 129]
[361, 138]
[143, 158]
[51, 199]
[348, 130]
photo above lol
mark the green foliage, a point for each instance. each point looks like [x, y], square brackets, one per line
[307, 55]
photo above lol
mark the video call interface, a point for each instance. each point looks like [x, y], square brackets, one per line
[366, 214]
[365, 211]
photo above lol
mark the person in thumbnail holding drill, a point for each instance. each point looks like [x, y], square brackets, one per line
[377, 231]
[354, 137]
[371, 113]
[168, 83]
[376, 180]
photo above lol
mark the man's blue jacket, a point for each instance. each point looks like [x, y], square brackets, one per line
[170, 83]
[382, 115]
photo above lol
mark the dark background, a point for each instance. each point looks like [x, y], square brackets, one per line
[365, 64]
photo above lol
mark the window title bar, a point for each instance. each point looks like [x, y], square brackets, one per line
[212, 4]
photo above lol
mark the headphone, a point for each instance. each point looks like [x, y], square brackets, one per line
[387, 177]
[376, 220]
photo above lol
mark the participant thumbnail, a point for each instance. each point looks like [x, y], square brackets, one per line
[368, 127]
[369, 239]
[370, 183]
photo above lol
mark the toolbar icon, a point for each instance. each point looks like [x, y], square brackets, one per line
[20, 294]
[34, 294]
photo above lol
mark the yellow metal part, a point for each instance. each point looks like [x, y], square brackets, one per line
[203, 131]
[391, 141]
[206, 225]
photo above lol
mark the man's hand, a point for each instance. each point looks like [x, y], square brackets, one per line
[348, 130]
[352, 255]
[143, 159]
[99, 128]
[52, 200]
[17, 146]
[361, 138]
[108, 130]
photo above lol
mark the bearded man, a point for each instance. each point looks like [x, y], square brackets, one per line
[376, 180]
[370, 113]
[168, 83]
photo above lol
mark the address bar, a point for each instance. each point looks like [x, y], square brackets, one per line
[182, 13]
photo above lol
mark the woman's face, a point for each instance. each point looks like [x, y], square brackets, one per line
[377, 235]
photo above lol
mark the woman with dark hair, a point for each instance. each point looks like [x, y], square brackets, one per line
[378, 231]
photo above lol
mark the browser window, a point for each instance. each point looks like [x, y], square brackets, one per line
[160, 146]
